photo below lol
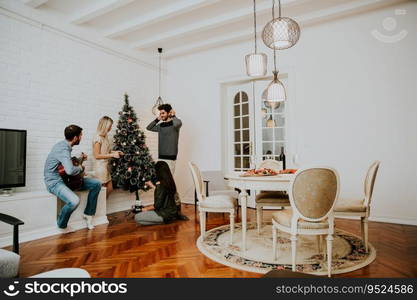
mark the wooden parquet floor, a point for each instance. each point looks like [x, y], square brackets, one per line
[124, 249]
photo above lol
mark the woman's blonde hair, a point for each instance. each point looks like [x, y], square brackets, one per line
[104, 125]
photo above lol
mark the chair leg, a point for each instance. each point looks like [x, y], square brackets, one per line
[364, 222]
[274, 243]
[202, 224]
[321, 245]
[329, 239]
[232, 227]
[195, 201]
[293, 251]
[318, 243]
[259, 218]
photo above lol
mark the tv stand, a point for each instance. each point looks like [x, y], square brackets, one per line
[6, 192]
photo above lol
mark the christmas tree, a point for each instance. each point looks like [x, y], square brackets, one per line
[135, 166]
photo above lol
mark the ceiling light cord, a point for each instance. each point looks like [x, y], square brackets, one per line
[160, 73]
[273, 9]
[273, 17]
[254, 25]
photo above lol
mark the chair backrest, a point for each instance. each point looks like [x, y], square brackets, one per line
[216, 179]
[370, 181]
[271, 164]
[313, 192]
[198, 181]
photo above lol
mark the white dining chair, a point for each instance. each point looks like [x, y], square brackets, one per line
[222, 203]
[269, 198]
[313, 193]
[360, 207]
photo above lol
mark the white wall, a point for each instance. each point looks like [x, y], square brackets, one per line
[48, 81]
[355, 102]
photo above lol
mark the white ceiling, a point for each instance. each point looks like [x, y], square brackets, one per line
[139, 27]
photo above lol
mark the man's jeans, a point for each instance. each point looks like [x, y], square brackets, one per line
[72, 200]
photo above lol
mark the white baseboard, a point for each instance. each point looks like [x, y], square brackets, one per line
[394, 220]
[187, 200]
[49, 231]
[385, 219]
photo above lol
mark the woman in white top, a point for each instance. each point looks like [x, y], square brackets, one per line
[102, 153]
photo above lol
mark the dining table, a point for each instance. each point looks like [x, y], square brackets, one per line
[280, 182]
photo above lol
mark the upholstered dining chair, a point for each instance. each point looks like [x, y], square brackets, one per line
[222, 203]
[360, 207]
[313, 193]
[269, 198]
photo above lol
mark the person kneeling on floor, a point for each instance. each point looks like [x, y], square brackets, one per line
[165, 208]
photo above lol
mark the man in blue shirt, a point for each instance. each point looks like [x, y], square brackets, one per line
[61, 154]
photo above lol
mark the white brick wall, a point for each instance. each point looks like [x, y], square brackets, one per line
[48, 81]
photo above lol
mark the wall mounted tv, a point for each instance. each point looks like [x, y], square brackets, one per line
[12, 158]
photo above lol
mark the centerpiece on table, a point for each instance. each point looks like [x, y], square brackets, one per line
[267, 172]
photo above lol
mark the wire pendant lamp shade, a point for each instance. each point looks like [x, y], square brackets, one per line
[159, 101]
[269, 104]
[275, 91]
[256, 63]
[282, 32]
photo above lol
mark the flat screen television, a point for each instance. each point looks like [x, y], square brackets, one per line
[12, 158]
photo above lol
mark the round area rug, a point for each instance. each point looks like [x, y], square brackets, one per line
[348, 251]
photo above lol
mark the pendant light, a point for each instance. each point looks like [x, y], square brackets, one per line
[269, 104]
[275, 91]
[256, 63]
[282, 32]
[159, 101]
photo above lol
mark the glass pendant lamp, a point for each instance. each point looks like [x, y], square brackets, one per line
[275, 91]
[159, 101]
[256, 63]
[282, 32]
[269, 104]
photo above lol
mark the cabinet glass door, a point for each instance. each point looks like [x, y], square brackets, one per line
[271, 125]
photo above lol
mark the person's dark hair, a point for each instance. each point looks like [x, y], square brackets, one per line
[164, 176]
[167, 107]
[71, 131]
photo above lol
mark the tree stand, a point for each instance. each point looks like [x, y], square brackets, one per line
[137, 208]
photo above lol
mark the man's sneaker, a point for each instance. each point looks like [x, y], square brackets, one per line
[89, 220]
[67, 229]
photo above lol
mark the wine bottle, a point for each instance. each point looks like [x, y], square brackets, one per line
[282, 158]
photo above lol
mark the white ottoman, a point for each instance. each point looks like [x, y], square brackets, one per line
[64, 273]
[9, 264]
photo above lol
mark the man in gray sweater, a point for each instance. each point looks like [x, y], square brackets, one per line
[168, 127]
